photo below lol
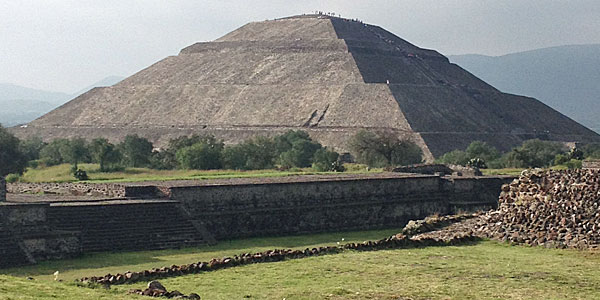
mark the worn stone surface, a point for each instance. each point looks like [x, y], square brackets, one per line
[328, 76]
[234, 211]
[591, 164]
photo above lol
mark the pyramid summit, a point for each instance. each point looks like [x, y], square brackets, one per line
[329, 76]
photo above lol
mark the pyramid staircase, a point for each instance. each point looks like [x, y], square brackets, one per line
[128, 225]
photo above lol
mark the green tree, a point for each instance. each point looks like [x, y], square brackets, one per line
[136, 151]
[51, 155]
[384, 149]
[200, 156]
[325, 160]
[31, 148]
[482, 150]
[300, 154]
[104, 153]
[534, 154]
[254, 154]
[12, 160]
[591, 151]
[74, 151]
[455, 157]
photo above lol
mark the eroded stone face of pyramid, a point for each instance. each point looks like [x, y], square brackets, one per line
[329, 76]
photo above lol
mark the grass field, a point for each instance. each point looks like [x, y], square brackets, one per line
[62, 173]
[484, 270]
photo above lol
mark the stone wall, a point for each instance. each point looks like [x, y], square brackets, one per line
[113, 190]
[591, 164]
[26, 236]
[235, 211]
[2, 189]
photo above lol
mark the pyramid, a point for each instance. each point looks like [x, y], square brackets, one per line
[329, 76]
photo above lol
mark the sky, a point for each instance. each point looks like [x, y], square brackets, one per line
[65, 45]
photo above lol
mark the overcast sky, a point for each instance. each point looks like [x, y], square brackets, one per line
[65, 45]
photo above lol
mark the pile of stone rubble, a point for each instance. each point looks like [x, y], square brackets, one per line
[156, 289]
[547, 208]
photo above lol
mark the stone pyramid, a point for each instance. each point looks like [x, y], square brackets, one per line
[329, 76]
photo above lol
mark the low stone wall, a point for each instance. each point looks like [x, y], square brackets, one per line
[2, 189]
[27, 237]
[591, 164]
[112, 190]
[245, 210]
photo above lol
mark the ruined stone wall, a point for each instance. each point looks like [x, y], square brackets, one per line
[2, 189]
[591, 164]
[307, 207]
[77, 189]
[26, 237]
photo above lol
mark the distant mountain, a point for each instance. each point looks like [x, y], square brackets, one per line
[566, 78]
[19, 105]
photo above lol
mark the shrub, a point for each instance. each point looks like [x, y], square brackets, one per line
[574, 164]
[455, 157]
[80, 174]
[254, 154]
[105, 154]
[384, 149]
[479, 149]
[300, 155]
[199, 156]
[477, 163]
[12, 178]
[325, 160]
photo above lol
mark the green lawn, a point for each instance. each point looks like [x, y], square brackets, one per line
[485, 270]
[62, 173]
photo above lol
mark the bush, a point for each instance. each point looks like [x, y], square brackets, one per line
[384, 149]
[591, 151]
[12, 178]
[483, 150]
[477, 163]
[80, 174]
[325, 160]
[199, 156]
[255, 154]
[455, 157]
[574, 164]
[300, 155]
[561, 159]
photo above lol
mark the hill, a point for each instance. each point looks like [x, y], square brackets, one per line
[565, 78]
[22, 105]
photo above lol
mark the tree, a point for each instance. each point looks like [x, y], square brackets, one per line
[455, 157]
[254, 154]
[12, 160]
[50, 154]
[326, 160]
[74, 152]
[482, 150]
[591, 151]
[31, 148]
[104, 153]
[136, 151]
[384, 149]
[534, 154]
[300, 154]
[200, 156]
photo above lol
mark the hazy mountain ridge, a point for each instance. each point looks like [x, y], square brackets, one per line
[566, 77]
[19, 105]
